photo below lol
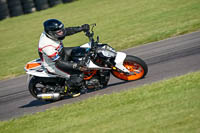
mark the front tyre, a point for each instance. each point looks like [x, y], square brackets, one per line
[135, 65]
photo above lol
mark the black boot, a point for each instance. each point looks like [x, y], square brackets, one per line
[76, 82]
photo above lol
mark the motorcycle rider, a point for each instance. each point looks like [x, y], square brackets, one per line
[56, 58]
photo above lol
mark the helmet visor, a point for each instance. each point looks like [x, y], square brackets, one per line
[60, 32]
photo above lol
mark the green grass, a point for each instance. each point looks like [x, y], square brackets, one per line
[170, 106]
[121, 23]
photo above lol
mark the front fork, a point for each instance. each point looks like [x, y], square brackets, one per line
[119, 62]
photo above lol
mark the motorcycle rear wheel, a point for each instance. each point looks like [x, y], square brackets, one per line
[135, 65]
[37, 86]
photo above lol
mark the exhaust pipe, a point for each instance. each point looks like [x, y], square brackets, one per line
[49, 96]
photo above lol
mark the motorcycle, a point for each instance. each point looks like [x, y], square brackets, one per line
[101, 60]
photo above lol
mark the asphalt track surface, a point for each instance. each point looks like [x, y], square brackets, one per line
[167, 58]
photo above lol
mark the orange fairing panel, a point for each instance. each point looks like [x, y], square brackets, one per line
[32, 65]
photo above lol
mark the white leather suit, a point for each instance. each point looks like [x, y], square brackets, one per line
[50, 52]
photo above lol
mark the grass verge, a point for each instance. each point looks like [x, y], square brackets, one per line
[170, 106]
[120, 23]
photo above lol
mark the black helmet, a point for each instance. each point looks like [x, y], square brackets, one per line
[54, 29]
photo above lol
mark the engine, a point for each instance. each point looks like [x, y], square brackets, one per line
[93, 84]
[94, 79]
[97, 79]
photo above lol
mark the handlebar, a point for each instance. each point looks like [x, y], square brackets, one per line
[90, 34]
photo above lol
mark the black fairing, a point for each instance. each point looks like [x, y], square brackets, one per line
[79, 53]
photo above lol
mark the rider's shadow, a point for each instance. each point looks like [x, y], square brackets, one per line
[117, 83]
[35, 103]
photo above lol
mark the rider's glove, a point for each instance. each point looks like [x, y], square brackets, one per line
[79, 67]
[83, 68]
[85, 27]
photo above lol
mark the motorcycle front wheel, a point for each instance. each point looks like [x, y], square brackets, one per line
[135, 65]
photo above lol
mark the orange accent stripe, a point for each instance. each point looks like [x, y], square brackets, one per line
[32, 65]
[89, 75]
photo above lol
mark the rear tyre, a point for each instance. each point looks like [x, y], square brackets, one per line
[37, 86]
[28, 6]
[41, 4]
[66, 1]
[4, 12]
[15, 8]
[135, 65]
[54, 2]
[33, 88]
